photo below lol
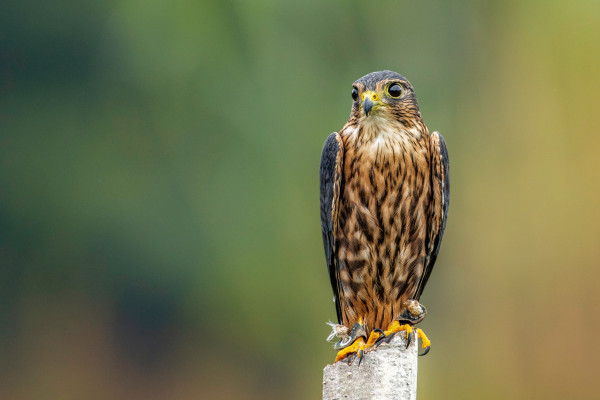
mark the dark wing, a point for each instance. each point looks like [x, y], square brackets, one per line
[330, 178]
[440, 179]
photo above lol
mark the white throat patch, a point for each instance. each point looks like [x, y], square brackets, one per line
[376, 131]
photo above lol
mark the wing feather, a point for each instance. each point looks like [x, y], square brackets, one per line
[440, 178]
[330, 174]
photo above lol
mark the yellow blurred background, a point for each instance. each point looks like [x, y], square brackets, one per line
[159, 223]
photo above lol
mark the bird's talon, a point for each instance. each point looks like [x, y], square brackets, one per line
[356, 347]
[360, 355]
[382, 336]
[426, 342]
[409, 338]
[374, 337]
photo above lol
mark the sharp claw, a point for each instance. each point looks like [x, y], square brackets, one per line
[426, 341]
[409, 339]
[361, 354]
[381, 336]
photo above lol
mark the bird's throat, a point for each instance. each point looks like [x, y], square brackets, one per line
[377, 131]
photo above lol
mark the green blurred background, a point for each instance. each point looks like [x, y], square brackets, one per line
[159, 224]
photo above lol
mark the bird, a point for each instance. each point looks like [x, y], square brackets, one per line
[384, 197]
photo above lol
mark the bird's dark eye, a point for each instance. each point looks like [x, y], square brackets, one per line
[354, 94]
[395, 90]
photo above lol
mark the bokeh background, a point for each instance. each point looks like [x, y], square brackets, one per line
[159, 224]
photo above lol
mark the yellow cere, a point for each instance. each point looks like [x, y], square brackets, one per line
[370, 94]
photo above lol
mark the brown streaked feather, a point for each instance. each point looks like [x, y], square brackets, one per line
[384, 200]
[383, 224]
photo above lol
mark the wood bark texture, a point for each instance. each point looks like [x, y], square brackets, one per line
[388, 372]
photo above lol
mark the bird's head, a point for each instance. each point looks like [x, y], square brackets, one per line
[387, 95]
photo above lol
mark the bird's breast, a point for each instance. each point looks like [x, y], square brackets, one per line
[383, 210]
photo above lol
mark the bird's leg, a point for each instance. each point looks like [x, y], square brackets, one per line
[396, 327]
[357, 339]
[426, 343]
[375, 337]
[358, 347]
[412, 314]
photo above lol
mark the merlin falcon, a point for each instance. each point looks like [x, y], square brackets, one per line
[384, 189]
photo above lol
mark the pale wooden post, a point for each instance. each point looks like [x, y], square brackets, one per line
[388, 372]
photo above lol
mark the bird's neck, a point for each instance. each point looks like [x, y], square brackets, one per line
[378, 130]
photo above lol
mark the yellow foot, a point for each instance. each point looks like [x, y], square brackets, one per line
[395, 327]
[357, 347]
[425, 342]
[377, 334]
[374, 337]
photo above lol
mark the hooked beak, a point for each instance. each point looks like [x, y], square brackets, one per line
[369, 100]
[367, 105]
